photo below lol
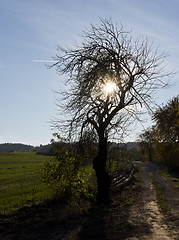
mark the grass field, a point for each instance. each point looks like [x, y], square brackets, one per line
[21, 181]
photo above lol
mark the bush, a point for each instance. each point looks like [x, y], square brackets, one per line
[66, 174]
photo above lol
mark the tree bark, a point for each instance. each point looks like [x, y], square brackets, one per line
[103, 178]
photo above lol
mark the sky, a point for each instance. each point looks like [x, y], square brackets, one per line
[30, 33]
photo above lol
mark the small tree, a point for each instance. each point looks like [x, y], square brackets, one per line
[146, 140]
[65, 172]
[110, 76]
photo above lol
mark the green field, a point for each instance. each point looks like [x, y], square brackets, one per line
[21, 181]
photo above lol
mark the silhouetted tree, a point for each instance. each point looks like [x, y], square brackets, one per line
[110, 75]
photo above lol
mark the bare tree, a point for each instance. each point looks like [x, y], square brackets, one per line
[110, 75]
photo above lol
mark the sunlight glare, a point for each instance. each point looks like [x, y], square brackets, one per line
[109, 88]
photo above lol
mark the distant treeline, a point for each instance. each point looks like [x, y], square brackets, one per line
[19, 147]
[45, 150]
[49, 148]
[15, 147]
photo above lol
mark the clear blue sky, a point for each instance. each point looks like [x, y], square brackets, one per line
[30, 32]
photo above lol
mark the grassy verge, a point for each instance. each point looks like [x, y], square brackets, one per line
[20, 180]
[171, 177]
[161, 198]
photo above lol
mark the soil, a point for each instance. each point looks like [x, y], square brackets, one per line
[133, 214]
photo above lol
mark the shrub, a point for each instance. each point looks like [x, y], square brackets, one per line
[66, 174]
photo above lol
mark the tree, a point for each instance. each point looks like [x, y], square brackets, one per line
[146, 140]
[167, 133]
[110, 75]
[167, 121]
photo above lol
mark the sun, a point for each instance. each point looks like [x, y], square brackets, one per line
[109, 88]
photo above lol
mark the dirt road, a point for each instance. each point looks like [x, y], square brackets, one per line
[146, 209]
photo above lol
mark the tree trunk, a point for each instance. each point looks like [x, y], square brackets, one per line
[103, 178]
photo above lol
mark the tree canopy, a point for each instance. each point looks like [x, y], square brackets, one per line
[108, 54]
[163, 137]
[167, 121]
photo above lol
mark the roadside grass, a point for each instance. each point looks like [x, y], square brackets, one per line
[161, 198]
[171, 177]
[121, 206]
[21, 181]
